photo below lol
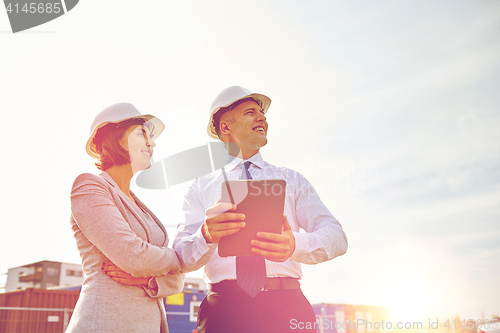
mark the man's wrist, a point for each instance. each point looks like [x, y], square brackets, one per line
[204, 233]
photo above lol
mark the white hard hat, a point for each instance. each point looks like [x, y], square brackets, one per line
[117, 113]
[227, 97]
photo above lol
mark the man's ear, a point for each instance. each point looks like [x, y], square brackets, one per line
[224, 127]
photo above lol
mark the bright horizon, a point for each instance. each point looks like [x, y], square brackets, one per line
[390, 110]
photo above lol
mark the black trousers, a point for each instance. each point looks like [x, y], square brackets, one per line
[272, 311]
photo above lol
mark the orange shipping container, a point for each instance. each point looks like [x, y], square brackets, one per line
[17, 319]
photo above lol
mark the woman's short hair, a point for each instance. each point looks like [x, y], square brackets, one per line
[107, 142]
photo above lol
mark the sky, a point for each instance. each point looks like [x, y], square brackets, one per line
[388, 108]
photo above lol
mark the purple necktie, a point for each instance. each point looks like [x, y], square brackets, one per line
[251, 273]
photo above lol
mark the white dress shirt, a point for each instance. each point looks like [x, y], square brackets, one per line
[323, 239]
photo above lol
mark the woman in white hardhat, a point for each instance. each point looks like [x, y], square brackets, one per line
[127, 264]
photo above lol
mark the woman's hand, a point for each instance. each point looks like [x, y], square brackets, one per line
[121, 276]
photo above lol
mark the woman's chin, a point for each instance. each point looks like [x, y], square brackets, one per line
[143, 166]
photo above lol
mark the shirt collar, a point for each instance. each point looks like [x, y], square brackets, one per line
[256, 159]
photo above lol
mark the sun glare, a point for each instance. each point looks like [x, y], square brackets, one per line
[408, 298]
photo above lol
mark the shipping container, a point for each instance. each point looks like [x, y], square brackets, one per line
[330, 318]
[347, 318]
[36, 310]
[182, 310]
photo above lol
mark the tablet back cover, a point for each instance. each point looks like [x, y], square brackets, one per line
[262, 202]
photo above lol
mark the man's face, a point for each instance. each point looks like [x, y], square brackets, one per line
[246, 127]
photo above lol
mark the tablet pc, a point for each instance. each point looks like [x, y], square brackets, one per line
[262, 202]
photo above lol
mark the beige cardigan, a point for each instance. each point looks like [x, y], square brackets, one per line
[108, 226]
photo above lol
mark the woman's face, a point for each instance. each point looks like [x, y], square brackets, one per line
[139, 144]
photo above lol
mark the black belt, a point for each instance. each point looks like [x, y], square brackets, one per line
[272, 283]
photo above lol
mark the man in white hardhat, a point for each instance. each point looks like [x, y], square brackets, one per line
[259, 293]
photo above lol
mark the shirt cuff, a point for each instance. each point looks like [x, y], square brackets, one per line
[152, 287]
[202, 246]
[301, 246]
